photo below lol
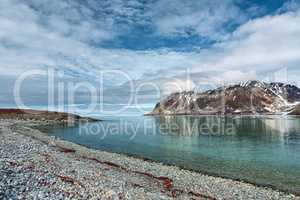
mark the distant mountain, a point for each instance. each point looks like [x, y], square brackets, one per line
[251, 97]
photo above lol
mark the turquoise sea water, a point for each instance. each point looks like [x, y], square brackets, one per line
[262, 150]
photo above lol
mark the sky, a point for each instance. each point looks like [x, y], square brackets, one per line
[149, 43]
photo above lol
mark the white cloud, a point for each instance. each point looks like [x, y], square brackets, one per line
[178, 86]
[264, 44]
[59, 35]
[256, 50]
[233, 76]
[47, 37]
[204, 18]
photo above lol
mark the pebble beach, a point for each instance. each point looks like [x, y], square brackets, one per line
[36, 166]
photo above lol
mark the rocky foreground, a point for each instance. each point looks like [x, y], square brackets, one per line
[36, 166]
[249, 98]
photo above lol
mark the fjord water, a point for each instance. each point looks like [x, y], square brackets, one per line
[261, 150]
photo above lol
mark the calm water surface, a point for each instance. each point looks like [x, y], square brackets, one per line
[262, 150]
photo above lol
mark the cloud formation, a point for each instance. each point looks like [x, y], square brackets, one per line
[256, 49]
[205, 18]
[241, 43]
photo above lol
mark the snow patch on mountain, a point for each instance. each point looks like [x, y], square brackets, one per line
[249, 97]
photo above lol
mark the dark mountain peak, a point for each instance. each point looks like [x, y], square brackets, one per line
[277, 84]
[250, 97]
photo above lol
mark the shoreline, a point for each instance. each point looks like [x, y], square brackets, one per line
[175, 182]
[53, 117]
[260, 185]
[218, 115]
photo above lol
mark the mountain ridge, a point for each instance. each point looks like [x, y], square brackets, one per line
[250, 97]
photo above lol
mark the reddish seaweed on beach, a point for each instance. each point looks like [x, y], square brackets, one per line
[70, 180]
[167, 182]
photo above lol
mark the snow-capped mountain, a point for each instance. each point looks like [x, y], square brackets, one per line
[251, 97]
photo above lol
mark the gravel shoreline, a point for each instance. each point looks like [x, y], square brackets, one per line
[36, 166]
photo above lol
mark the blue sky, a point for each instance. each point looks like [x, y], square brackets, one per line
[157, 41]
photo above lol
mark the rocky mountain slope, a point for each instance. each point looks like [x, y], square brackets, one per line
[251, 97]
